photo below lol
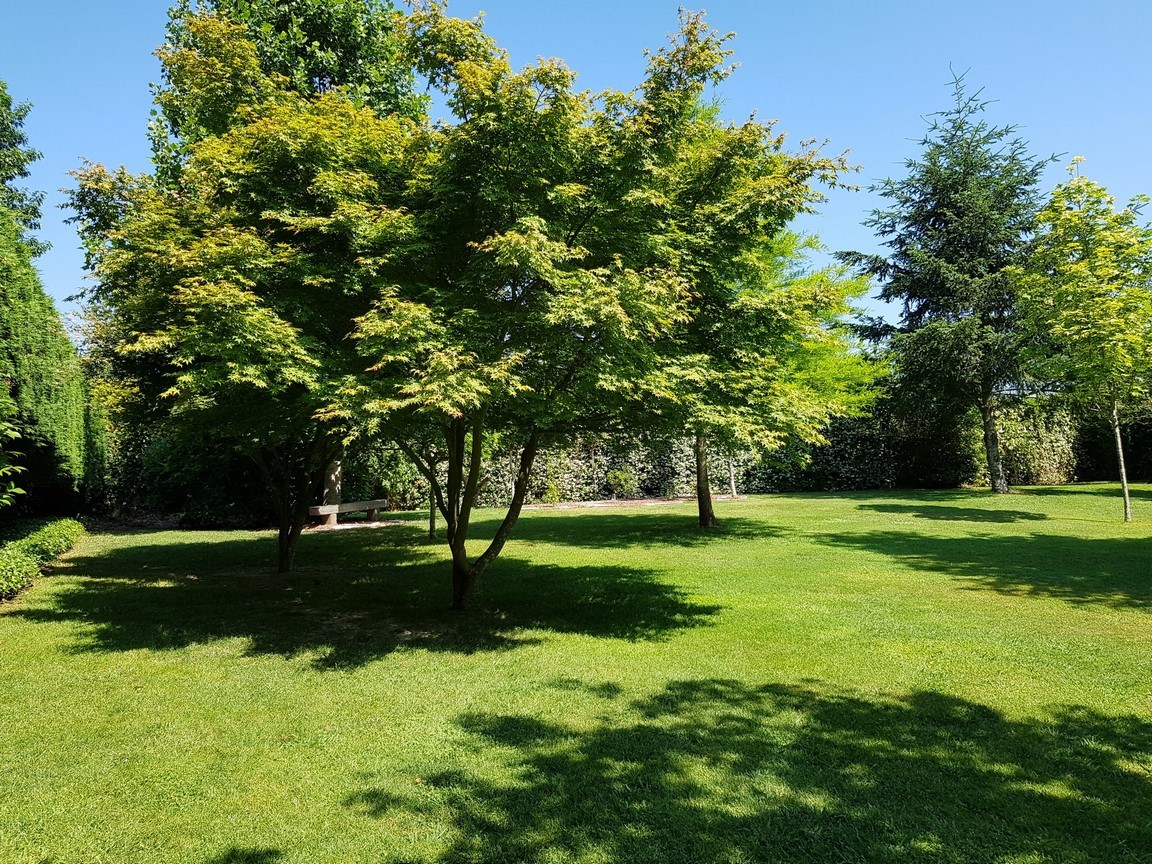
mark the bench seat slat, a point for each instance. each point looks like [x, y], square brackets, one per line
[347, 507]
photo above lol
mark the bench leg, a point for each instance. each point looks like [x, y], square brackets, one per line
[372, 515]
[331, 520]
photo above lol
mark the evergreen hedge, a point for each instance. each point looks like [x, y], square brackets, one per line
[44, 378]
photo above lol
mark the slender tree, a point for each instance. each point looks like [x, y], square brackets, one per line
[766, 358]
[956, 225]
[1087, 294]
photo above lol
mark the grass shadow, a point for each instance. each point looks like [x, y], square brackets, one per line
[359, 596]
[611, 530]
[1099, 491]
[721, 771]
[1113, 572]
[247, 856]
[955, 514]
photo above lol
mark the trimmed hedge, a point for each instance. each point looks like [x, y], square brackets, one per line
[35, 544]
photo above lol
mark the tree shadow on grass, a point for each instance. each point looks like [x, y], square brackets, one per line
[955, 514]
[360, 596]
[597, 529]
[720, 771]
[1115, 572]
[1099, 491]
[247, 856]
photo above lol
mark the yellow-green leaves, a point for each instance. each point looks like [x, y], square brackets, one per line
[212, 74]
[1088, 294]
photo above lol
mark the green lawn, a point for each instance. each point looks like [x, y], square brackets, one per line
[894, 677]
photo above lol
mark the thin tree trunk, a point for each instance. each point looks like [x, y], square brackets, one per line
[703, 485]
[431, 514]
[285, 547]
[520, 492]
[996, 478]
[732, 475]
[1120, 459]
[333, 490]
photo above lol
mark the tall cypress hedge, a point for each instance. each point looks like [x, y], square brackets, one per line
[44, 378]
[38, 362]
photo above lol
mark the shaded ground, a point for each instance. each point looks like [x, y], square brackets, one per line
[168, 595]
[715, 770]
[876, 677]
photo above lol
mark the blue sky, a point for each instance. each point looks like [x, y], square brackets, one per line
[1073, 77]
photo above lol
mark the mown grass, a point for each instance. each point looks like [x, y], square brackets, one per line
[904, 677]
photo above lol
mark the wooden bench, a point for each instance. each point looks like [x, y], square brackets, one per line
[331, 512]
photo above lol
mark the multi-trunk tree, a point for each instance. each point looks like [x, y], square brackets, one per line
[1086, 293]
[225, 290]
[955, 227]
[568, 245]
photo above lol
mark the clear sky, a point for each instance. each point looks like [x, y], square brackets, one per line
[864, 73]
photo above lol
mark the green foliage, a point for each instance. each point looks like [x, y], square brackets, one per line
[222, 55]
[1088, 296]
[45, 379]
[1087, 293]
[8, 433]
[224, 295]
[28, 545]
[378, 470]
[564, 243]
[17, 570]
[894, 445]
[512, 279]
[622, 482]
[15, 157]
[1038, 437]
[765, 358]
[45, 398]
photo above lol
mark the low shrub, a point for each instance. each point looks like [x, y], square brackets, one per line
[31, 545]
[17, 569]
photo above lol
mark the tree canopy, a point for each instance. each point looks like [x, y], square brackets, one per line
[530, 270]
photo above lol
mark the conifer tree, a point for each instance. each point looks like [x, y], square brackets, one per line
[955, 227]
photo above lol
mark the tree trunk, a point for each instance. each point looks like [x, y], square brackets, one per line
[294, 477]
[703, 486]
[1120, 459]
[431, 514]
[732, 475]
[285, 548]
[520, 492]
[456, 498]
[463, 578]
[333, 491]
[996, 478]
